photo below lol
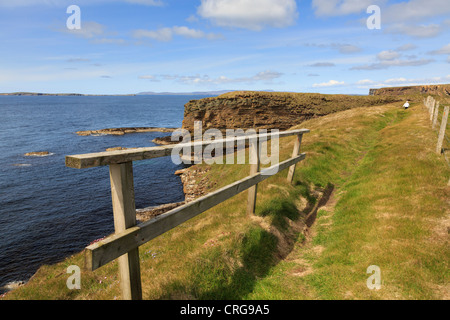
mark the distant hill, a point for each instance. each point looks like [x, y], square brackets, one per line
[59, 94]
[39, 94]
[197, 93]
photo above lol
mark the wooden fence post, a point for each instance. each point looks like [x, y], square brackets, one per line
[254, 159]
[442, 131]
[435, 115]
[124, 208]
[295, 152]
[433, 104]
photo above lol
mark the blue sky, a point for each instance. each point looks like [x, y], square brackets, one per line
[130, 46]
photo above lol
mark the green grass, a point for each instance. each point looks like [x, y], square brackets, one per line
[390, 205]
[383, 217]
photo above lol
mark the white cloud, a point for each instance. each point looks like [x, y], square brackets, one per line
[249, 14]
[388, 55]
[147, 77]
[89, 30]
[417, 31]
[395, 82]
[415, 10]
[195, 34]
[266, 76]
[348, 48]
[416, 18]
[65, 3]
[341, 7]
[322, 64]
[385, 64]
[167, 34]
[402, 12]
[95, 32]
[163, 34]
[407, 47]
[365, 81]
[192, 18]
[341, 47]
[444, 50]
[331, 83]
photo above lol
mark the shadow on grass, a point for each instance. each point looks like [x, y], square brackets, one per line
[231, 272]
[222, 274]
[312, 215]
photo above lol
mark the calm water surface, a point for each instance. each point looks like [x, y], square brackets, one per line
[49, 211]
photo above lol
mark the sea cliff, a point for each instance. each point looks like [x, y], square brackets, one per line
[270, 110]
[438, 89]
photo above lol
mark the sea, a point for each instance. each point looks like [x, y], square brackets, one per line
[49, 211]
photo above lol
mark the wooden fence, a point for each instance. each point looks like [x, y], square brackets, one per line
[433, 107]
[124, 243]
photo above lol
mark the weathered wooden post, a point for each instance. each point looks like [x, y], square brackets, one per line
[442, 131]
[124, 244]
[433, 104]
[124, 209]
[435, 115]
[295, 153]
[254, 159]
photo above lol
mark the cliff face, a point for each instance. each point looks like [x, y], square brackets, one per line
[270, 110]
[438, 90]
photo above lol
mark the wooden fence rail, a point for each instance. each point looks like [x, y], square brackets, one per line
[128, 237]
[433, 107]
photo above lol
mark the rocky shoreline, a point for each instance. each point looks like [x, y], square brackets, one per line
[123, 131]
[164, 141]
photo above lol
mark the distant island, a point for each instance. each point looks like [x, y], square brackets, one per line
[150, 93]
[205, 93]
[59, 94]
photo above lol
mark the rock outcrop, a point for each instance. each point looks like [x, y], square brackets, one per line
[195, 182]
[37, 154]
[270, 110]
[122, 131]
[146, 214]
[442, 90]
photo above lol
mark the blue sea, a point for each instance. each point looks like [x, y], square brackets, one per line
[49, 211]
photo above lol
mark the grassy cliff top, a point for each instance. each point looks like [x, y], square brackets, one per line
[296, 102]
[389, 207]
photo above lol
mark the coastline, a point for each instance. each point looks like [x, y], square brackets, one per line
[62, 94]
[123, 131]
